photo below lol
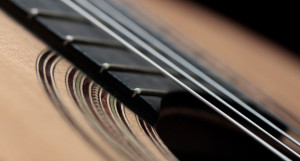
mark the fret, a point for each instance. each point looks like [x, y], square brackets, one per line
[34, 12]
[92, 41]
[127, 68]
[97, 42]
[134, 69]
[148, 92]
[75, 31]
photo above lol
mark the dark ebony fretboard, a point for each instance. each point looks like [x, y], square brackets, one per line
[128, 77]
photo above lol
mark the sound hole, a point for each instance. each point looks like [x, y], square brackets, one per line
[200, 134]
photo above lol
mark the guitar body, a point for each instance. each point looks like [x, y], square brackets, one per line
[51, 110]
[40, 123]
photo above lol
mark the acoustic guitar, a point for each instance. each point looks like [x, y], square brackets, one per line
[141, 80]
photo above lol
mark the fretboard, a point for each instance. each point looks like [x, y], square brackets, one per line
[104, 59]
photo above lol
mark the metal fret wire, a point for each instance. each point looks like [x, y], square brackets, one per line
[97, 23]
[149, 38]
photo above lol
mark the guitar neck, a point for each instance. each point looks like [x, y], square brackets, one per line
[89, 48]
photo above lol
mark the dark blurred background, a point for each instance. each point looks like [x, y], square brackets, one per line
[277, 20]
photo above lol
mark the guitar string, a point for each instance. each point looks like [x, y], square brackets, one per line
[78, 6]
[88, 6]
[131, 25]
[249, 108]
[186, 75]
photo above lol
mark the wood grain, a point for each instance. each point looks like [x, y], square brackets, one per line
[31, 128]
[40, 120]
